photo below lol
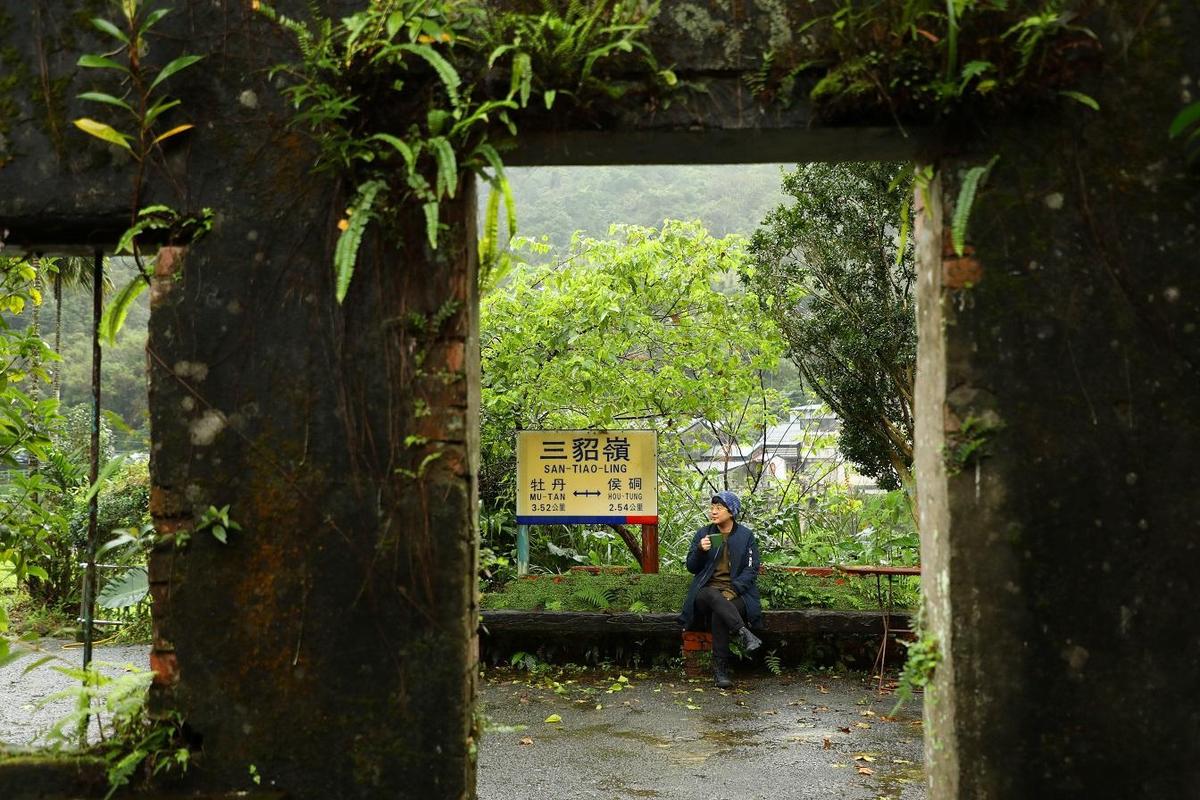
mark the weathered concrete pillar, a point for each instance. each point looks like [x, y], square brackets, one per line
[1057, 435]
[330, 643]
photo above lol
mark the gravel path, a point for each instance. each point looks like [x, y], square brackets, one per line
[25, 712]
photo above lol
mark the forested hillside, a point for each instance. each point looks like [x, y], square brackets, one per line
[123, 384]
[557, 201]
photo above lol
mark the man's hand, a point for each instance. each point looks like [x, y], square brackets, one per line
[706, 544]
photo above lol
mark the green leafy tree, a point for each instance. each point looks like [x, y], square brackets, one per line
[834, 269]
[26, 525]
[625, 332]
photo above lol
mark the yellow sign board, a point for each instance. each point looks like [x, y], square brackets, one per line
[587, 477]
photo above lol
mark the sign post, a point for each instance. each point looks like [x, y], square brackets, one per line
[650, 549]
[589, 477]
[522, 550]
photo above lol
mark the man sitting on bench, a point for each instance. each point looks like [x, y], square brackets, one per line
[723, 559]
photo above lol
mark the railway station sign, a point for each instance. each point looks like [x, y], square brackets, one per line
[568, 477]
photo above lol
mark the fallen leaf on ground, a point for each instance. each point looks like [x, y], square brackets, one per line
[862, 725]
[867, 713]
[821, 709]
[822, 690]
[769, 712]
[839, 766]
[827, 745]
[693, 707]
[844, 730]
[864, 757]
[553, 718]
[526, 740]
[901, 761]
[865, 771]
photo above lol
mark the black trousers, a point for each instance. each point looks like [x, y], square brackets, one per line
[725, 617]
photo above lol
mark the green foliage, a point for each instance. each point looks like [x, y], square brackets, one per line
[458, 72]
[1186, 128]
[132, 742]
[8, 654]
[524, 661]
[971, 182]
[649, 593]
[924, 656]
[556, 53]
[57, 545]
[586, 592]
[923, 59]
[969, 444]
[28, 528]
[217, 521]
[835, 527]
[589, 594]
[141, 136]
[829, 271]
[137, 80]
[346, 252]
[73, 439]
[127, 589]
[123, 379]
[781, 589]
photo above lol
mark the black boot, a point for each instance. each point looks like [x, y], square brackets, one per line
[750, 642]
[721, 672]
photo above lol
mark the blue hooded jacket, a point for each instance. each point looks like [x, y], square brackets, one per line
[743, 571]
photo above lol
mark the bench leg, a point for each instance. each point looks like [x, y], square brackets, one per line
[695, 645]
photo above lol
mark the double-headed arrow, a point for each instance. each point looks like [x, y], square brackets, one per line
[587, 493]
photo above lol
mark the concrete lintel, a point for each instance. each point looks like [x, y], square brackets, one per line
[62, 235]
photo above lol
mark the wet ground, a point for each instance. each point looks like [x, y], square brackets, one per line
[658, 735]
[613, 734]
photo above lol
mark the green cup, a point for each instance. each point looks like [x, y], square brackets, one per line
[716, 539]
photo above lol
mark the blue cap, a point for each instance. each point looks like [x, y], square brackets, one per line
[729, 500]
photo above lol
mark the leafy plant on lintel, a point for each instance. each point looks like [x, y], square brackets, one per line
[925, 59]
[406, 97]
[144, 106]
